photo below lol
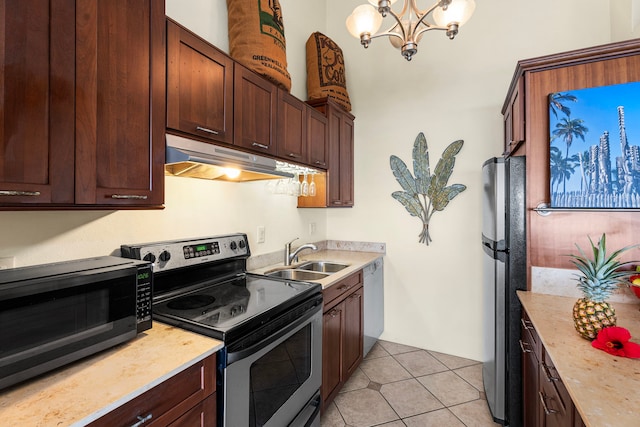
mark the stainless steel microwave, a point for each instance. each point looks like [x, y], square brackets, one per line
[55, 314]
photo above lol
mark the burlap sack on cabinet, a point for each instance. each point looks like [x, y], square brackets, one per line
[256, 38]
[325, 70]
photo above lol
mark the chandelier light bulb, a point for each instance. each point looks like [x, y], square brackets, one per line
[458, 12]
[363, 20]
[410, 23]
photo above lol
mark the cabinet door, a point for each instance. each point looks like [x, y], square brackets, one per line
[317, 134]
[36, 93]
[340, 172]
[199, 87]
[254, 109]
[530, 387]
[514, 121]
[292, 128]
[353, 332]
[332, 329]
[120, 102]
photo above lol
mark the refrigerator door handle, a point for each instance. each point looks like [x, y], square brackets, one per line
[493, 245]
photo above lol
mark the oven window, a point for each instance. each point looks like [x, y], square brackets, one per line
[276, 376]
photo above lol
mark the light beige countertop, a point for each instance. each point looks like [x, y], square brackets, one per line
[604, 388]
[85, 390]
[356, 260]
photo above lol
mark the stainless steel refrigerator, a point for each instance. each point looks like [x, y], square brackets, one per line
[505, 272]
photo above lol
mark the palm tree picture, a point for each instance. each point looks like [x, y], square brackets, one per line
[594, 155]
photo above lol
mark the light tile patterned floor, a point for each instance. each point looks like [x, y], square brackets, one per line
[402, 386]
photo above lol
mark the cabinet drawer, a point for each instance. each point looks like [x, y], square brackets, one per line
[201, 415]
[333, 294]
[166, 401]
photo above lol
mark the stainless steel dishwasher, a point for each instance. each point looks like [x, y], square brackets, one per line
[373, 303]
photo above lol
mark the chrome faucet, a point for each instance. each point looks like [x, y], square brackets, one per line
[289, 256]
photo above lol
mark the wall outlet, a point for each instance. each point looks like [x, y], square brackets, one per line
[7, 262]
[312, 228]
[261, 233]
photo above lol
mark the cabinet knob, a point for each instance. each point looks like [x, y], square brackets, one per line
[142, 420]
[211, 131]
[19, 193]
[523, 344]
[543, 401]
[526, 324]
[547, 373]
[129, 196]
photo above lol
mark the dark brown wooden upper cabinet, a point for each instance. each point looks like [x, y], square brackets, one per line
[199, 87]
[291, 128]
[83, 104]
[36, 102]
[254, 110]
[317, 138]
[340, 171]
[120, 102]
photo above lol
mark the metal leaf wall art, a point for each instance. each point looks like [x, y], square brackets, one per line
[426, 194]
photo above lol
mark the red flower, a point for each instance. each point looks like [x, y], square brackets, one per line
[615, 340]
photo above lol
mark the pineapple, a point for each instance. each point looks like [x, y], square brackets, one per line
[600, 277]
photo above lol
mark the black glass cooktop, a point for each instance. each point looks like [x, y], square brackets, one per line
[225, 309]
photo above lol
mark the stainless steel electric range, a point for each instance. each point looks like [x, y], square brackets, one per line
[269, 371]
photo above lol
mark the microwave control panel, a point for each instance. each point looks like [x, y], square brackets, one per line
[144, 297]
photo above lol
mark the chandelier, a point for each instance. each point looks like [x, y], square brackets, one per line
[411, 23]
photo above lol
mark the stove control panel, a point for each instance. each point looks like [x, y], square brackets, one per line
[182, 253]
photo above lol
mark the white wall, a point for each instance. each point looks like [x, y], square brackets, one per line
[451, 90]
[625, 19]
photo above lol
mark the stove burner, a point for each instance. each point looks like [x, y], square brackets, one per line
[190, 302]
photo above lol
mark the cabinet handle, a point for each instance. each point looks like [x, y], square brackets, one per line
[128, 196]
[337, 202]
[318, 162]
[525, 350]
[547, 373]
[265, 147]
[211, 131]
[294, 155]
[546, 409]
[527, 324]
[343, 287]
[18, 193]
[142, 420]
[334, 312]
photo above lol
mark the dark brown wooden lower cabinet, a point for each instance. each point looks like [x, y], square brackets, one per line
[186, 399]
[342, 334]
[546, 399]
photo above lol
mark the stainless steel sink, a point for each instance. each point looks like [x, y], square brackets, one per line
[297, 274]
[322, 266]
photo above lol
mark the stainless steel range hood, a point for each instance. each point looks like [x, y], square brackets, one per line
[195, 159]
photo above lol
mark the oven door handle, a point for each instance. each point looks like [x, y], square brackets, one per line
[309, 413]
[233, 356]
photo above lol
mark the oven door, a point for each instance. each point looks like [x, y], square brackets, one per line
[276, 382]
